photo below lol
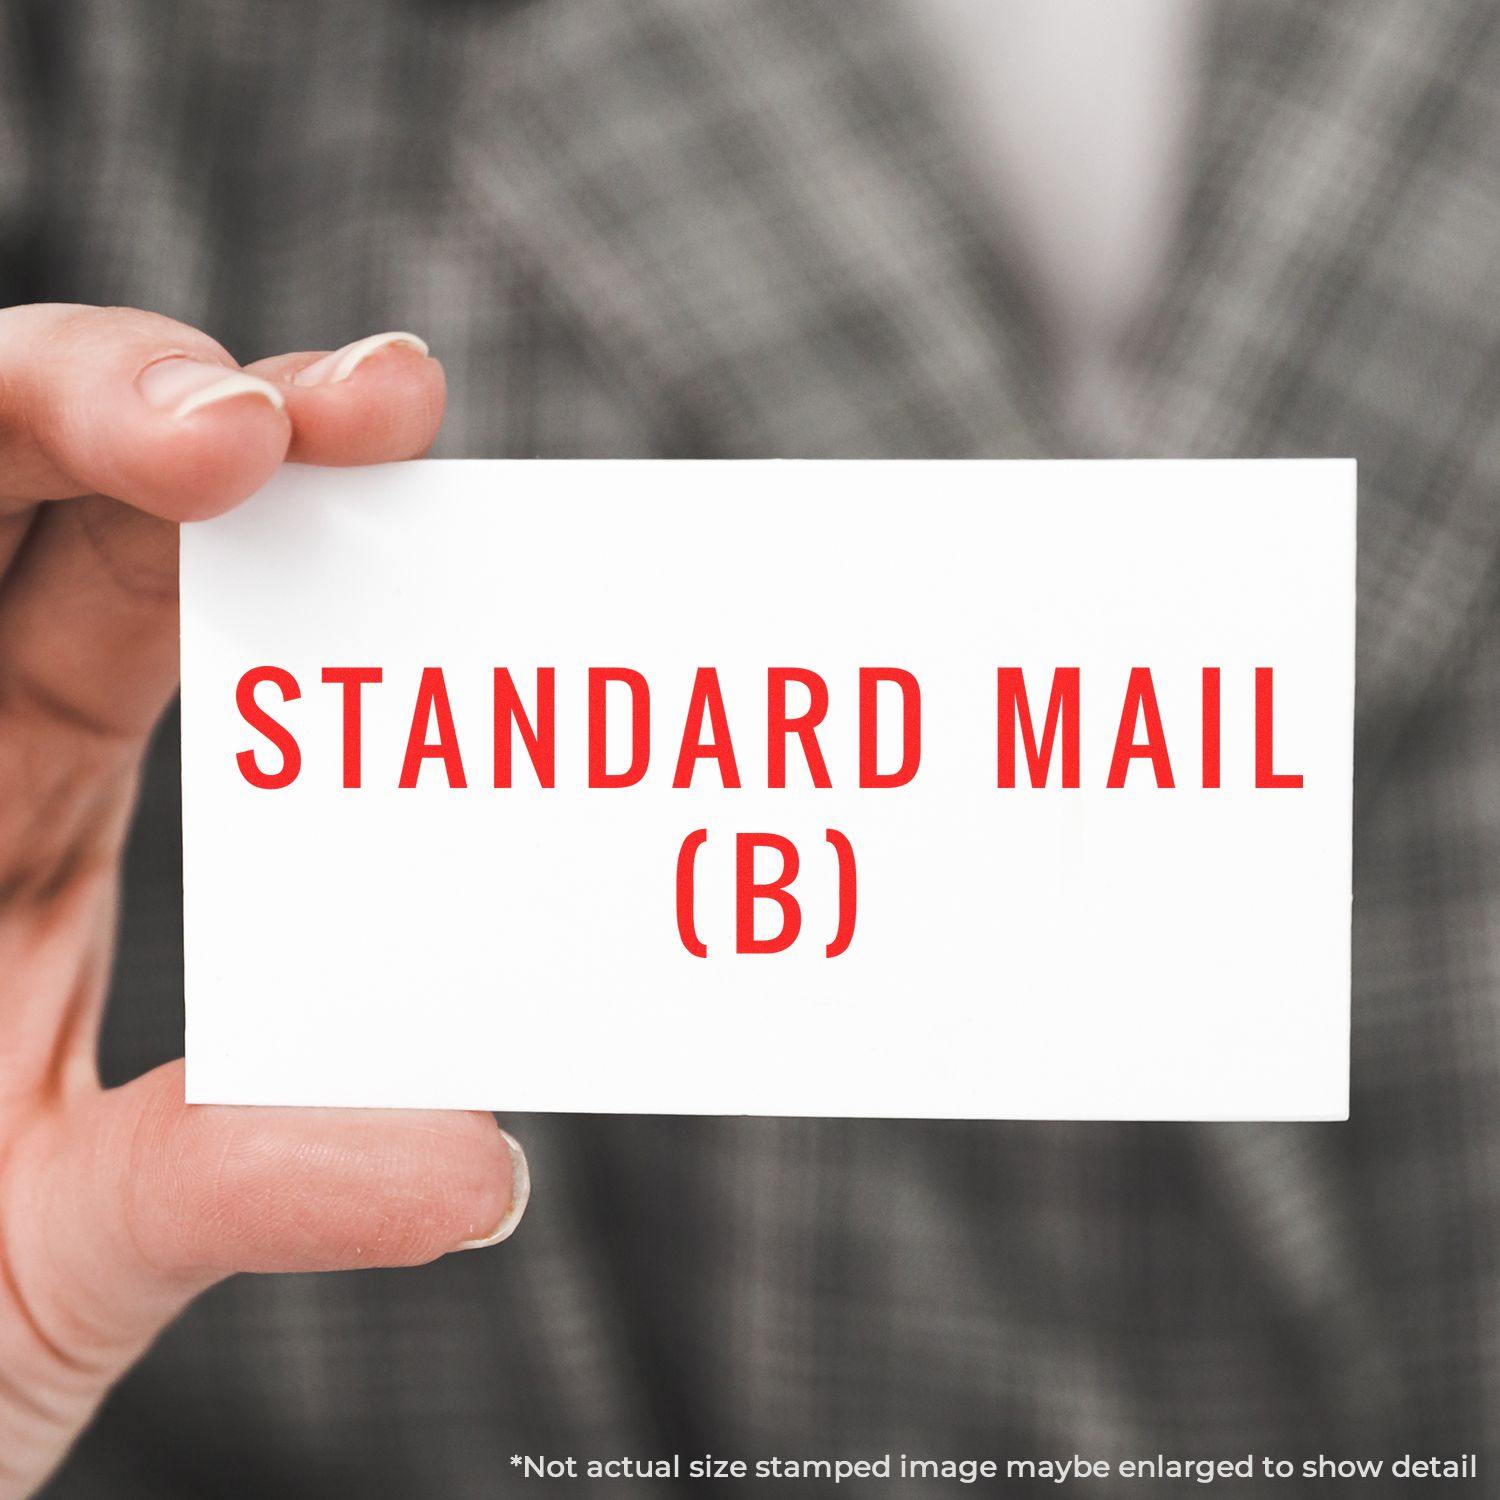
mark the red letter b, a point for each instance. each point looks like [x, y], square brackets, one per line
[747, 892]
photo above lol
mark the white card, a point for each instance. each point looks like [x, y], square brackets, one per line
[1131, 951]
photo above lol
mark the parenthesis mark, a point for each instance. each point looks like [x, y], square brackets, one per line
[848, 893]
[685, 859]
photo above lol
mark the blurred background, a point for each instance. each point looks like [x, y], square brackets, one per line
[904, 228]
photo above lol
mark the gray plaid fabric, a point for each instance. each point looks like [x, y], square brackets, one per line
[735, 227]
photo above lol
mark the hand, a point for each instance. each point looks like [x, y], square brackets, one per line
[118, 1206]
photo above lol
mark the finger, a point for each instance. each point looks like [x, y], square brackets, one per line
[89, 616]
[376, 400]
[88, 625]
[121, 402]
[135, 1202]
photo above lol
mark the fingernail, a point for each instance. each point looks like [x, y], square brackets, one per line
[520, 1193]
[342, 363]
[182, 386]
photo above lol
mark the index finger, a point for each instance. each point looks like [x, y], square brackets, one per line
[374, 401]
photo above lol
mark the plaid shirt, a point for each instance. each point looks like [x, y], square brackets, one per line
[736, 227]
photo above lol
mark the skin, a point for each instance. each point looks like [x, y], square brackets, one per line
[118, 1206]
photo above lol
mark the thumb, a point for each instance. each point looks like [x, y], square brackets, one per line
[119, 1209]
